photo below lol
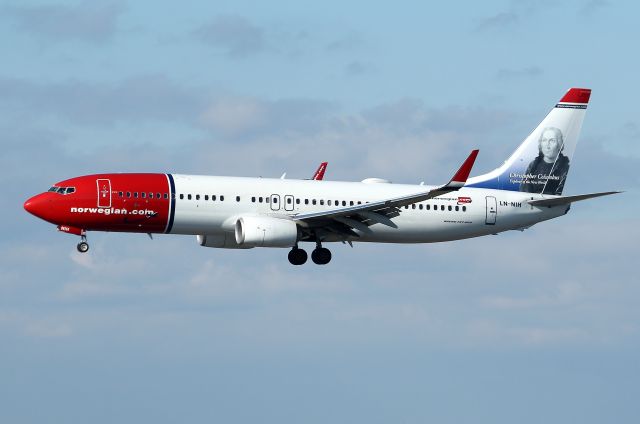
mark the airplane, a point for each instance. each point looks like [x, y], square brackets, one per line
[244, 212]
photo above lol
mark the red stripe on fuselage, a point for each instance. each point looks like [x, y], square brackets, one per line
[127, 213]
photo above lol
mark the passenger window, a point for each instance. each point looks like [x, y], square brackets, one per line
[151, 196]
[221, 198]
[313, 201]
[351, 203]
[135, 194]
[143, 195]
[344, 203]
[464, 209]
[165, 195]
[428, 207]
[237, 198]
[189, 196]
[288, 200]
[306, 201]
[213, 197]
[413, 206]
[253, 199]
[441, 207]
[275, 200]
[406, 206]
[206, 197]
[297, 201]
[120, 194]
[420, 206]
[197, 197]
[329, 202]
[359, 202]
[449, 207]
[321, 202]
[267, 200]
[181, 196]
[259, 199]
[457, 208]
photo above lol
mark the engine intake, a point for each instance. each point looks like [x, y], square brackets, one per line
[262, 231]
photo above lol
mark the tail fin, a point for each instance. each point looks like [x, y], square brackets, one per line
[541, 163]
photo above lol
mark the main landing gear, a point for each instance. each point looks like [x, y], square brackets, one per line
[83, 246]
[297, 256]
[320, 255]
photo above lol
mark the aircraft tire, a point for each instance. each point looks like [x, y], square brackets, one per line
[321, 256]
[83, 247]
[297, 256]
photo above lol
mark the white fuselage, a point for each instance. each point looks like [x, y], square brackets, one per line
[469, 212]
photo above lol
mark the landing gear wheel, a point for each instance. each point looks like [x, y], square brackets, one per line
[83, 247]
[297, 256]
[321, 256]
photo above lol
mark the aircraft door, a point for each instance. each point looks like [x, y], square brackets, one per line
[492, 210]
[288, 202]
[104, 193]
[275, 202]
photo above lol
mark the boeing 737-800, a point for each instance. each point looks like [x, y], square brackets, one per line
[242, 213]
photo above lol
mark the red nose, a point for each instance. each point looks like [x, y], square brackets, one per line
[38, 205]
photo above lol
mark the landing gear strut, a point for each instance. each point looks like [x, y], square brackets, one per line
[83, 246]
[320, 255]
[297, 256]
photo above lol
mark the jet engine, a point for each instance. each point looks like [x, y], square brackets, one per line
[260, 231]
[221, 241]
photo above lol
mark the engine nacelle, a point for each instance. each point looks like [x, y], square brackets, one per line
[220, 241]
[261, 231]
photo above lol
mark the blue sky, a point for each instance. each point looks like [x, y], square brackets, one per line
[540, 326]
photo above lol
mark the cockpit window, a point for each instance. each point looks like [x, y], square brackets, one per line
[62, 190]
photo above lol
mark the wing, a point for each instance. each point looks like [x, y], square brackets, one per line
[319, 174]
[344, 220]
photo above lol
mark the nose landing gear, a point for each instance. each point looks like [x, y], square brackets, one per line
[83, 246]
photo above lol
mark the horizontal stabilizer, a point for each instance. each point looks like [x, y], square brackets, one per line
[565, 200]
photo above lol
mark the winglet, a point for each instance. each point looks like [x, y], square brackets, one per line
[319, 174]
[460, 178]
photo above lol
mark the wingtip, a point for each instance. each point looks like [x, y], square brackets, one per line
[463, 173]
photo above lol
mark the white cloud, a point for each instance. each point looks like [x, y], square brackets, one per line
[234, 116]
[47, 329]
[93, 22]
[236, 35]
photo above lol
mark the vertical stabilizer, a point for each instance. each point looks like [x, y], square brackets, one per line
[541, 163]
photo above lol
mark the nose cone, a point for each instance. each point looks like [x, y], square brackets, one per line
[37, 205]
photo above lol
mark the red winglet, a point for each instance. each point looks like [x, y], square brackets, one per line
[464, 171]
[320, 171]
[577, 95]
